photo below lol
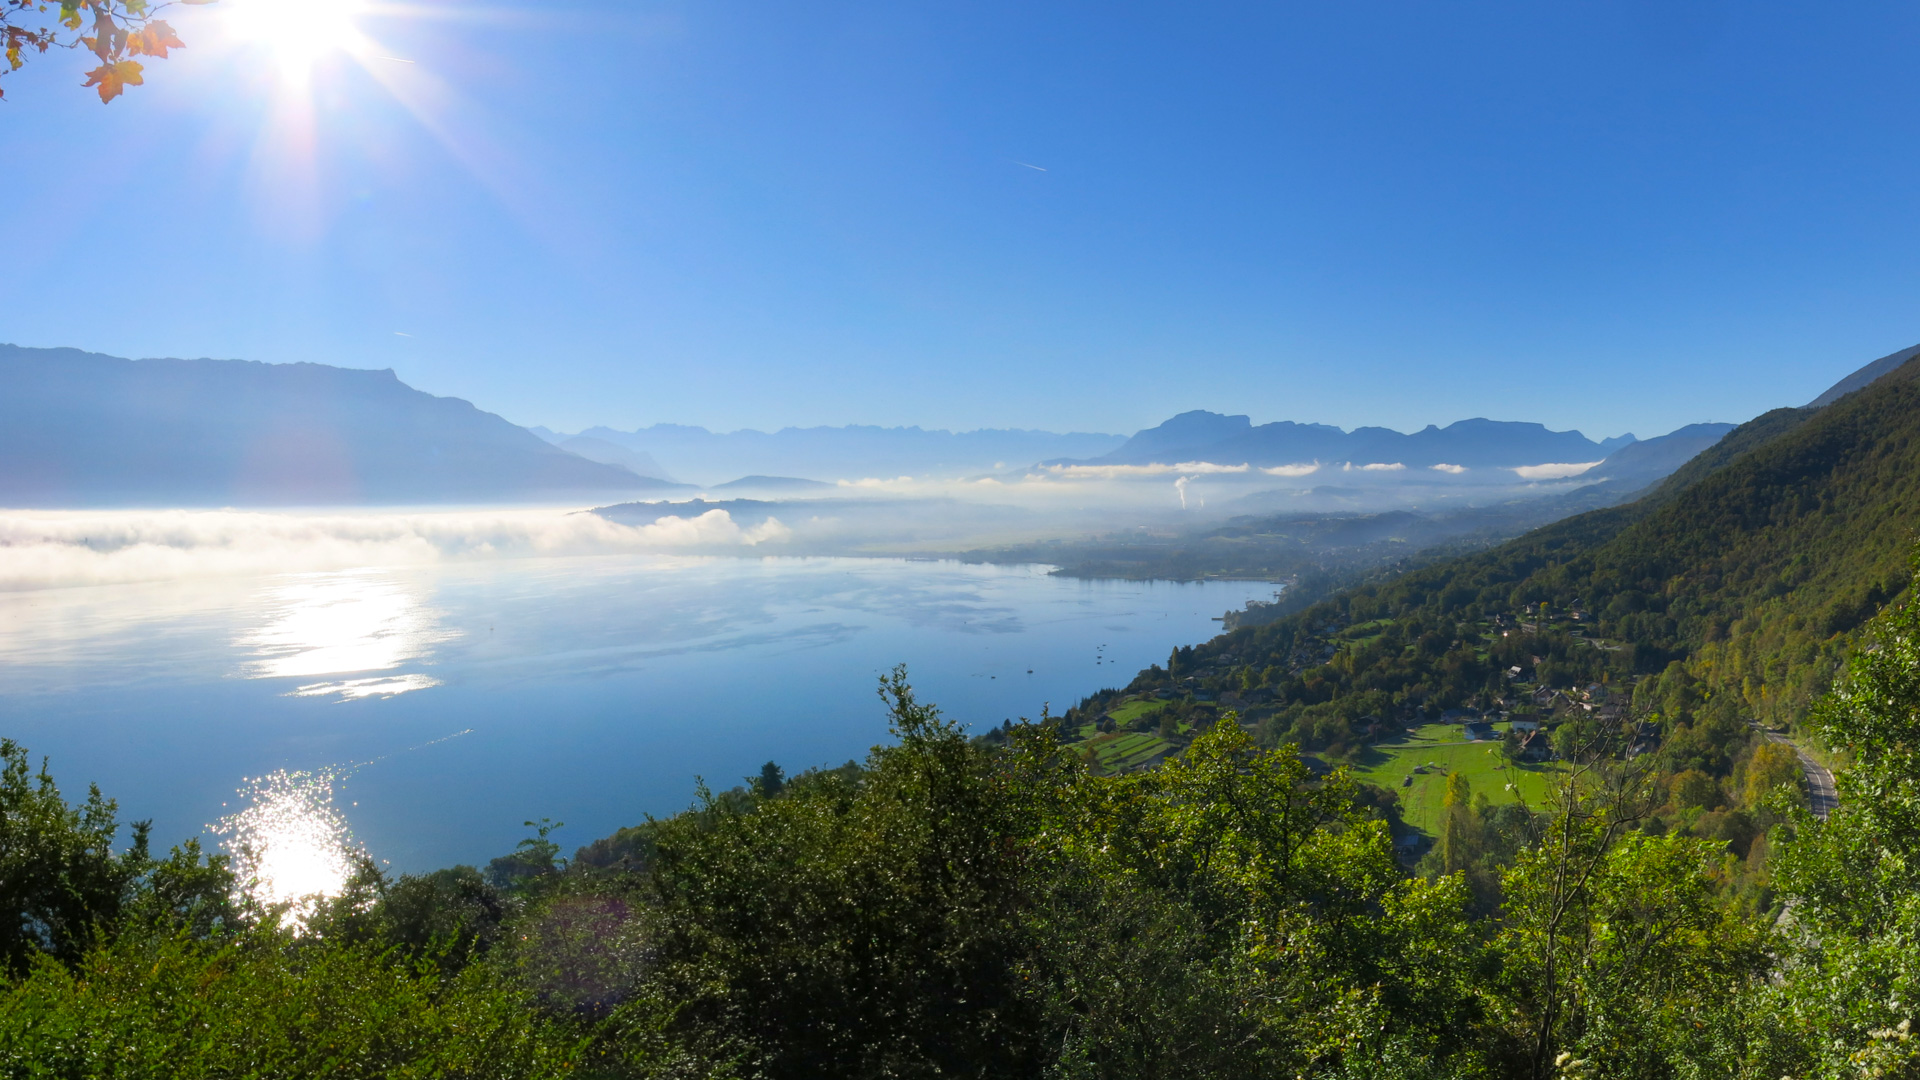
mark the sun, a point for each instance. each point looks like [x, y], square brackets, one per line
[300, 33]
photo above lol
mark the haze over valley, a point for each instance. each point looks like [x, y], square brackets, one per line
[227, 456]
[126, 471]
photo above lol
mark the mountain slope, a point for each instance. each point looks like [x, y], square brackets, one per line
[1861, 378]
[1638, 464]
[82, 429]
[1750, 566]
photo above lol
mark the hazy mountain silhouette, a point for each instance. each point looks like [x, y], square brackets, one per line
[846, 453]
[1476, 443]
[82, 429]
[637, 462]
[1866, 375]
[775, 484]
[1641, 463]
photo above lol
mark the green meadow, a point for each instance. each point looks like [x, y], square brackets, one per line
[1134, 710]
[1485, 767]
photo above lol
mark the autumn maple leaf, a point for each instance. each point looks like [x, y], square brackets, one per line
[114, 78]
[154, 40]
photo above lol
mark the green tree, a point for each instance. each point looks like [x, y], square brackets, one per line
[1340, 963]
[1650, 957]
[536, 859]
[1694, 789]
[854, 928]
[61, 882]
[1852, 882]
[1458, 829]
[771, 781]
[1773, 766]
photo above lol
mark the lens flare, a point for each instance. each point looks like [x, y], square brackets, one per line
[300, 33]
[290, 844]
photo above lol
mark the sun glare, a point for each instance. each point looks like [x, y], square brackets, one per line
[300, 33]
[290, 844]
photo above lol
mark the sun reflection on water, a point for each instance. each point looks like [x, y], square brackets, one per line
[344, 623]
[290, 844]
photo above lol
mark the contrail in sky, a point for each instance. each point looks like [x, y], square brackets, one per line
[1037, 168]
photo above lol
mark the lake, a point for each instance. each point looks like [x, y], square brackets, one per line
[456, 701]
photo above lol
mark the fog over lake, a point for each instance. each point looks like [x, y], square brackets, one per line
[462, 698]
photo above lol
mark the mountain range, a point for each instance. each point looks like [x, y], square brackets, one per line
[83, 429]
[1476, 443]
[668, 451]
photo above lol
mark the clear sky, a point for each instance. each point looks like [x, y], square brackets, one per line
[1608, 216]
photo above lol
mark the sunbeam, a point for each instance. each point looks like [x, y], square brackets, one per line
[300, 33]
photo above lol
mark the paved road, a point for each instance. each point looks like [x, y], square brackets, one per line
[1822, 797]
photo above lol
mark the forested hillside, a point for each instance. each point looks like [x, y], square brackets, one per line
[1748, 567]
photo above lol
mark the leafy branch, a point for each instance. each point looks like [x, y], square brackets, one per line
[114, 31]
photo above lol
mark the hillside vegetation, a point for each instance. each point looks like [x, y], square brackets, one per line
[1749, 568]
[953, 908]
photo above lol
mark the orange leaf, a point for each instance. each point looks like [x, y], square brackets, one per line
[155, 40]
[114, 78]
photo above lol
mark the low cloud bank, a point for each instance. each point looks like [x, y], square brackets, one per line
[1557, 471]
[1115, 472]
[43, 549]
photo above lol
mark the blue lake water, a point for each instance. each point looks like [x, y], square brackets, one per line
[470, 697]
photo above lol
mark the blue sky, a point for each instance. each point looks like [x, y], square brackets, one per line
[1618, 216]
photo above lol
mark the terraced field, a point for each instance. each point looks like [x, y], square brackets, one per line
[1122, 750]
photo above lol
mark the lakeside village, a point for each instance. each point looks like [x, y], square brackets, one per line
[1501, 737]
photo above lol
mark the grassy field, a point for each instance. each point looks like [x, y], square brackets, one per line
[1486, 769]
[1134, 710]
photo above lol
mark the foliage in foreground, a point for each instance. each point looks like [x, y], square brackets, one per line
[960, 908]
[258, 1004]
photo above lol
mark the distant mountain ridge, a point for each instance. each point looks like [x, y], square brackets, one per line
[636, 462]
[84, 429]
[1477, 443]
[1638, 464]
[1865, 376]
